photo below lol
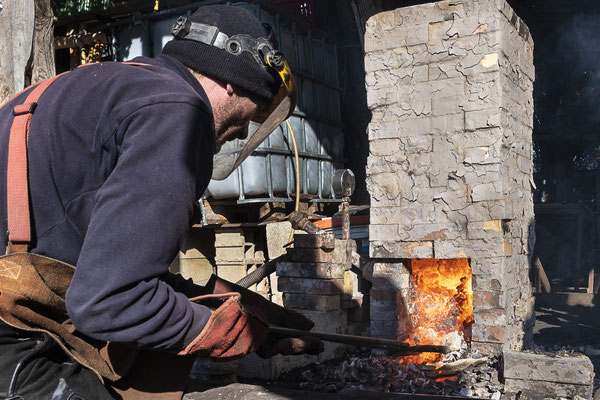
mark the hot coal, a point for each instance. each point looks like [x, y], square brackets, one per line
[368, 372]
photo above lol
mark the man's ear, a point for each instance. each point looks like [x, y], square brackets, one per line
[229, 89]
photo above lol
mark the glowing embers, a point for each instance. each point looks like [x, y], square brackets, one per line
[440, 307]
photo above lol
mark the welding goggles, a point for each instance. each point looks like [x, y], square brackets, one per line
[265, 52]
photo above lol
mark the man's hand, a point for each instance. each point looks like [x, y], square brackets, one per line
[276, 315]
[232, 331]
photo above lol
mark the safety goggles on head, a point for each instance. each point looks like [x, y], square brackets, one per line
[265, 53]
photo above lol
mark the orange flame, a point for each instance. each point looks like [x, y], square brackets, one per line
[441, 302]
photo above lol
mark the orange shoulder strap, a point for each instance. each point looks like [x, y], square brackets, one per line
[17, 194]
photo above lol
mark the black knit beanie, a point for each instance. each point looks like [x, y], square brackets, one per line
[239, 70]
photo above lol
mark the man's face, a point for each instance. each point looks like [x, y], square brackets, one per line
[232, 117]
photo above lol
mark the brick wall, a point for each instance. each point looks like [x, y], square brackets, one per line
[449, 85]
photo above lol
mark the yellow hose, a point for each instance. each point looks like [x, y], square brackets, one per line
[297, 207]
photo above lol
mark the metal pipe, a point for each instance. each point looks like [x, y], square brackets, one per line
[345, 218]
[300, 220]
[260, 273]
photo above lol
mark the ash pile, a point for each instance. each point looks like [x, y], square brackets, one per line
[472, 376]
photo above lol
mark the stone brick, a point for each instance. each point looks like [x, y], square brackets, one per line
[231, 273]
[486, 192]
[489, 230]
[381, 97]
[448, 105]
[487, 300]
[310, 270]
[358, 314]
[198, 269]
[413, 126]
[487, 333]
[342, 253]
[417, 144]
[312, 302]
[384, 329]
[399, 37]
[229, 254]
[432, 231]
[324, 241]
[229, 237]
[306, 255]
[491, 317]
[383, 130]
[390, 276]
[395, 249]
[448, 123]
[384, 147]
[482, 119]
[382, 232]
[355, 302]
[486, 348]
[450, 249]
[379, 313]
[277, 236]
[310, 286]
[537, 367]
[546, 390]
[481, 155]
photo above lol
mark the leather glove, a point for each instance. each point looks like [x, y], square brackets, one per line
[276, 315]
[232, 331]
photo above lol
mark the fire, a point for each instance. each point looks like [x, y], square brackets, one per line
[441, 301]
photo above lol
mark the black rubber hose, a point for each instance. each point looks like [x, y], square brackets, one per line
[261, 272]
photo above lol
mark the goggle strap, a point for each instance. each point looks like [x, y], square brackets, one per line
[204, 33]
[210, 35]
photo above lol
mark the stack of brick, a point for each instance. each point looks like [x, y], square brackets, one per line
[230, 246]
[388, 308]
[313, 276]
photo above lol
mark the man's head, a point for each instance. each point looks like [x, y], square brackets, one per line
[237, 84]
[233, 108]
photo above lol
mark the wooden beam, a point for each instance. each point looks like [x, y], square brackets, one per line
[541, 277]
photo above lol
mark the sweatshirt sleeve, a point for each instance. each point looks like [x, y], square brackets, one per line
[138, 224]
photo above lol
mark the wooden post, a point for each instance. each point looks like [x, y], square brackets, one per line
[25, 58]
[579, 248]
[16, 41]
[541, 277]
[44, 65]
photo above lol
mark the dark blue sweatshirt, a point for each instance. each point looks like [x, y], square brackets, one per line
[118, 154]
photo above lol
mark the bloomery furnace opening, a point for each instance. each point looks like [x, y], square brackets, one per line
[439, 306]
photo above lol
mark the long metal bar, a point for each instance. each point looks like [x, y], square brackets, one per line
[376, 343]
[265, 200]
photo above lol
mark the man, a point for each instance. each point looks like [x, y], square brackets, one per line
[117, 156]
